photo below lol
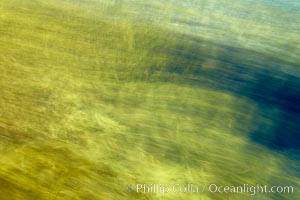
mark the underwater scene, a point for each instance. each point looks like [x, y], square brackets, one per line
[149, 99]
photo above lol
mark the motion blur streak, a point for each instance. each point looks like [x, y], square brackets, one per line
[99, 94]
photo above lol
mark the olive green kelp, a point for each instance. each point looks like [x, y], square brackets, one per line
[149, 99]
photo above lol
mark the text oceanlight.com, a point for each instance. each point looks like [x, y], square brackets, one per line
[211, 188]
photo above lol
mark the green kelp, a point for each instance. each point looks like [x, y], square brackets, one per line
[98, 96]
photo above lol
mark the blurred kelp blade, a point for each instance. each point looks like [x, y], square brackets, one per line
[97, 95]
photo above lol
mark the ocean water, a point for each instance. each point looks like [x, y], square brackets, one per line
[149, 99]
[290, 5]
